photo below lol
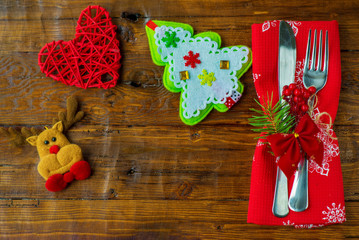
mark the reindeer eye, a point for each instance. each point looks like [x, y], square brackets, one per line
[53, 139]
[46, 142]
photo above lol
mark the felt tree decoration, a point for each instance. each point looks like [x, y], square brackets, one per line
[206, 75]
[91, 59]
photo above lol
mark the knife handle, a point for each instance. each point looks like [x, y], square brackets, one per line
[280, 201]
[298, 200]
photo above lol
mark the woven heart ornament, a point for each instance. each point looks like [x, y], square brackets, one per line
[206, 75]
[91, 59]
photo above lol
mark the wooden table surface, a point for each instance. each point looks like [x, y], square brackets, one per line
[153, 177]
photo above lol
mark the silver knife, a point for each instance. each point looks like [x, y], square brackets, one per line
[286, 69]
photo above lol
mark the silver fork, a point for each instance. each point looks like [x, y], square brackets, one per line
[298, 200]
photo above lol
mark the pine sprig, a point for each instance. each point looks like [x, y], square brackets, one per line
[272, 119]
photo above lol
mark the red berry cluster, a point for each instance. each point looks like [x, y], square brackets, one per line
[297, 98]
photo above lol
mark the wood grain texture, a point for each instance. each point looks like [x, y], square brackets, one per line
[148, 219]
[153, 177]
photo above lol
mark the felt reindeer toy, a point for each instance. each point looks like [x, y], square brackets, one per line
[60, 161]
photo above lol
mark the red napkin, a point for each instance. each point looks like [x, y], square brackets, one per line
[326, 196]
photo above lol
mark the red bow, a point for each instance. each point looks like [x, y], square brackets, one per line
[81, 170]
[289, 147]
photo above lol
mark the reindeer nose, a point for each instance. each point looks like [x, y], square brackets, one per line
[54, 149]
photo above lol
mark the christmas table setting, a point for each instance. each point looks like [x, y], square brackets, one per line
[179, 120]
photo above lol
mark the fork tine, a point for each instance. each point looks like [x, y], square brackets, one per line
[326, 61]
[319, 61]
[314, 50]
[306, 65]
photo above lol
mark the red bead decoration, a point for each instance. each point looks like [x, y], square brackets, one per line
[312, 90]
[304, 108]
[91, 59]
[286, 92]
[297, 97]
[292, 86]
[297, 92]
[306, 94]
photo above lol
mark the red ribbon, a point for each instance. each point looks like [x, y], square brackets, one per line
[289, 147]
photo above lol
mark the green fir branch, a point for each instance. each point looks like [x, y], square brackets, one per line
[272, 119]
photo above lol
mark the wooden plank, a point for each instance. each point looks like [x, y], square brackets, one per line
[160, 163]
[32, 35]
[49, 9]
[30, 98]
[130, 219]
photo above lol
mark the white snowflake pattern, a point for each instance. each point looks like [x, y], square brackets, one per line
[335, 214]
[288, 223]
[256, 76]
[268, 24]
[331, 148]
[299, 68]
[294, 25]
[308, 226]
[260, 143]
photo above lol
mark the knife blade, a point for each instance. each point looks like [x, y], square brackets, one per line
[287, 57]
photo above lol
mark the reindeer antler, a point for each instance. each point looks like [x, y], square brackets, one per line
[68, 118]
[71, 116]
[18, 138]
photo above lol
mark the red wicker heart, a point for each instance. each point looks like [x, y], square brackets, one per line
[91, 59]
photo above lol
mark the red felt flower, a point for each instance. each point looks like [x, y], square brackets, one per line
[289, 146]
[192, 59]
[91, 59]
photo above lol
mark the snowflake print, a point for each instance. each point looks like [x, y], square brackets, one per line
[268, 24]
[170, 39]
[207, 78]
[256, 76]
[331, 148]
[299, 69]
[308, 226]
[294, 25]
[192, 59]
[288, 223]
[335, 214]
[260, 143]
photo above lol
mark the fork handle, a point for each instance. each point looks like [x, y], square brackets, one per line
[298, 200]
[280, 201]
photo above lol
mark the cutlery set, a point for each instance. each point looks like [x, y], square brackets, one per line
[314, 74]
